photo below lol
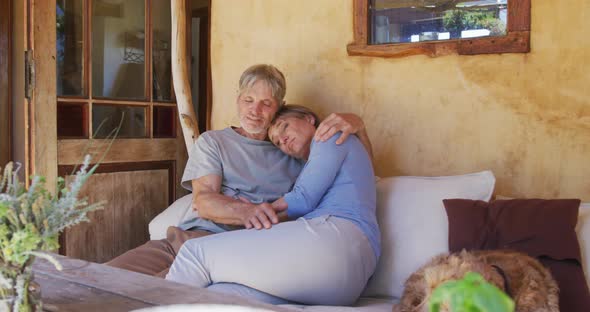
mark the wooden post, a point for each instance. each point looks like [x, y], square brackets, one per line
[180, 74]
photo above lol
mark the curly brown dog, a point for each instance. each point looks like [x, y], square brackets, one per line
[523, 278]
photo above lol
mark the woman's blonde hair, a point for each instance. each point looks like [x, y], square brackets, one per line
[297, 111]
[269, 74]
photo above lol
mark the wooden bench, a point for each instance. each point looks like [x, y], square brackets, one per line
[87, 286]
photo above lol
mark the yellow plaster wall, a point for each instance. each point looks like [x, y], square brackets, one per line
[524, 116]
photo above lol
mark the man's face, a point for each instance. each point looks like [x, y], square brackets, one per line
[256, 108]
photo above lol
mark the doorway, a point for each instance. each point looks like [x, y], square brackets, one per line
[200, 61]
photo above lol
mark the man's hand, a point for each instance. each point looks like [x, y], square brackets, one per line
[345, 122]
[226, 210]
[260, 216]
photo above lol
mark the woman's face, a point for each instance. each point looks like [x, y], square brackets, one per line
[293, 135]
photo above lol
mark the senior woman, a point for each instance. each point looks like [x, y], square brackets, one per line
[328, 253]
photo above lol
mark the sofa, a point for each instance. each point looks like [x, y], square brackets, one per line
[414, 228]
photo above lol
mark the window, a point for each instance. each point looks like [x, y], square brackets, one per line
[389, 28]
[113, 63]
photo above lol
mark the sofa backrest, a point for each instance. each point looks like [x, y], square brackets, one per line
[413, 223]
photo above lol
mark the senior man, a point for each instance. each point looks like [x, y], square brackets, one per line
[236, 172]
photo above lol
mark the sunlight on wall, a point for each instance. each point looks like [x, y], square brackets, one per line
[524, 116]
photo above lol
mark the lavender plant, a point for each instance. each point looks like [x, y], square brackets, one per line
[30, 222]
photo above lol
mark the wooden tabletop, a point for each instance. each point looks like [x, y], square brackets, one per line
[87, 286]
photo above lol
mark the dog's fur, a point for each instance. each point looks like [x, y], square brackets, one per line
[531, 285]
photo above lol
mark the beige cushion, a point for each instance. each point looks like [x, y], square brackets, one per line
[178, 212]
[413, 223]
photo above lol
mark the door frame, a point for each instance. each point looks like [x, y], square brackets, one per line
[5, 82]
[42, 108]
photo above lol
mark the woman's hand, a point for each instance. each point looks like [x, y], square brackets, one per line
[346, 122]
[260, 216]
[280, 206]
[265, 215]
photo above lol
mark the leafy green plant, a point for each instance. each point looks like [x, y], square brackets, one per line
[30, 221]
[470, 294]
[455, 21]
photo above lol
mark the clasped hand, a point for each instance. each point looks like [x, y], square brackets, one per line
[261, 216]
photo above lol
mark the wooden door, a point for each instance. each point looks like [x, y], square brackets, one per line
[110, 69]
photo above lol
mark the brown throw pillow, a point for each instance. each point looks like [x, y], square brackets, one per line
[545, 229]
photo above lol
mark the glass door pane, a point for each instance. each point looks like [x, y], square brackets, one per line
[70, 47]
[106, 118]
[72, 120]
[164, 122]
[161, 55]
[118, 49]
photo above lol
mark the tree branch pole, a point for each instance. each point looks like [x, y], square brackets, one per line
[180, 74]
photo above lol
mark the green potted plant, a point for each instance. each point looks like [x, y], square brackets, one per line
[30, 222]
[470, 294]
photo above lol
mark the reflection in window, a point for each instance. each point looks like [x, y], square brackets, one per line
[106, 118]
[70, 48]
[162, 60]
[400, 21]
[118, 49]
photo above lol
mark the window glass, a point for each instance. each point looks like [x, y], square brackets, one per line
[106, 118]
[164, 122]
[161, 55]
[417, 21]
[72, 120]
[70, 47]
[118, 49]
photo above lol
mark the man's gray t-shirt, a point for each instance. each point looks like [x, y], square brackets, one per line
[252, 169]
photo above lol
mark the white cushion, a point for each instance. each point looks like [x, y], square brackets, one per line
[364, 304]
[203, 307]
[583, 230]
[178, 212]
[414, 225]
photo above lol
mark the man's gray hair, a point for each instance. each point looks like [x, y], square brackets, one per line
[269, 74]
[297, 111]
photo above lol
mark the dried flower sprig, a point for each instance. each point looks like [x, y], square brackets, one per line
[31, 220]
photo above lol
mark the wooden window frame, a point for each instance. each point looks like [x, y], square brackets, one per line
[89, 99]
[516, 40]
